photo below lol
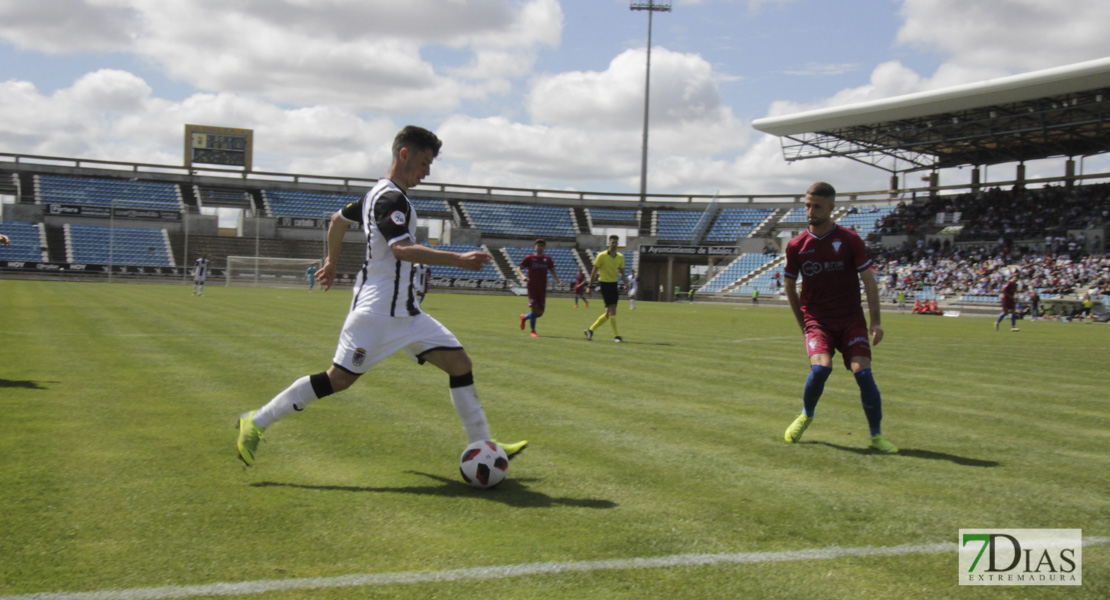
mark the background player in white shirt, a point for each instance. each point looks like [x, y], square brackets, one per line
[633, 288]
[385, 314]
[200, 273]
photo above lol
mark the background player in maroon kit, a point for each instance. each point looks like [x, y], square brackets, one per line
[537, 265]
[581, 289]
[1007, 297]
[831, 260]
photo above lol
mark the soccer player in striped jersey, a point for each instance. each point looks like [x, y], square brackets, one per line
[200, 273]
[385, 314]
[832, 260]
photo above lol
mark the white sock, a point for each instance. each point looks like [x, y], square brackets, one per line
[294, 398]
[470, 412]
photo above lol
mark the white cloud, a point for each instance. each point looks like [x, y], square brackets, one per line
[586, 128]
[66, 26]
[1012, 35]
[365, 55]
[815, 68]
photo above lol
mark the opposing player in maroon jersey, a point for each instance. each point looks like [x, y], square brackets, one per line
[537, 266]
[830, 261]
[1008, 306]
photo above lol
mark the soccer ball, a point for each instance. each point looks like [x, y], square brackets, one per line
[483, 464]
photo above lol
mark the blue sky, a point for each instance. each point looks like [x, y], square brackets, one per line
[528, 93]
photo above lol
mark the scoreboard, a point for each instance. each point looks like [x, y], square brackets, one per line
[218, 146]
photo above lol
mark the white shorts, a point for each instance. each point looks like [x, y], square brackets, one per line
[369, 338]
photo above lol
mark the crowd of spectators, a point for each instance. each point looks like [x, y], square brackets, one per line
[1022, 233]
[1019, 213]
[984, 270]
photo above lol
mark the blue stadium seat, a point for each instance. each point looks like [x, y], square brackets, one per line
[517, 220]
[736, 270]
[26, 241]
[306, 205]
[102, 193]
[123, 246]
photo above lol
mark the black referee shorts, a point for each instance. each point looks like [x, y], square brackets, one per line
[609, 292]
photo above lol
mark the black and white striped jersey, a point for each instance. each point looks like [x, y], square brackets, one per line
[385, 284]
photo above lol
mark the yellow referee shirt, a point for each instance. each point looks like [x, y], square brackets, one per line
[608, 267]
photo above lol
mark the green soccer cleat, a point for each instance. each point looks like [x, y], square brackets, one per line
[249, 436]
[512, 450]
[879, 443]
[797, 428]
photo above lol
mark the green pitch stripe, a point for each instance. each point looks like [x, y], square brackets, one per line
[498, 572]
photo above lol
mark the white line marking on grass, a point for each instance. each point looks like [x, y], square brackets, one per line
[497, 572]
[764, 339]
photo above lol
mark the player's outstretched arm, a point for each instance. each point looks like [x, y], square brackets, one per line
[406, 249]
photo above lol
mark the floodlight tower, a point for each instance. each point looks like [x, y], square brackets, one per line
[651, 6]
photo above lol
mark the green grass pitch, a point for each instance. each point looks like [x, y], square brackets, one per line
[118, 470]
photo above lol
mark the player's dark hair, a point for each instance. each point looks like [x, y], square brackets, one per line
[416, 139]
[541, 241]
[614, 237]
[822, 190]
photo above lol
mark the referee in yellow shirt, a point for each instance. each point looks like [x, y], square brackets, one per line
[607, 266]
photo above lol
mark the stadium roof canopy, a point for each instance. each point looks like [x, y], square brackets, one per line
[1063, 111]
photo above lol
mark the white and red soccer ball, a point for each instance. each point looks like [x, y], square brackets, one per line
[483, 464]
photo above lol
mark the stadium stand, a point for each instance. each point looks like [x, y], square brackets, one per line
[864, 220]
[124, 246]
[676, 225]
[425, 206]
[764, 282]
[795, 215]
[222, 197]
[622, 216]
[736, 223]
[735, 271]
[102, 193]
[517, 220]
[28, 241]
[310, 205]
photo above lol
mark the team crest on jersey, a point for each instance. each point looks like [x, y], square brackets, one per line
[397, 217]
[360, 355]
[812, 344]
[836, 245]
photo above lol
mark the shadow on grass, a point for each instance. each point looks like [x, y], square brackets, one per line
[912, 453]
[512, 492]
[30, 385]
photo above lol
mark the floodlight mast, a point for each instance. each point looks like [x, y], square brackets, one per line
[651, 6]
